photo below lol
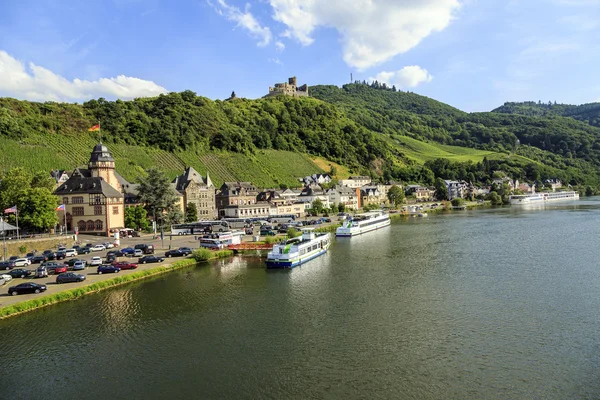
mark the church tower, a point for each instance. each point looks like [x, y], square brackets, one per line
[103, 165]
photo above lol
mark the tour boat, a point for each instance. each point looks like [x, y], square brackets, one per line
[537, 198]
[363, 223]
[296, 251]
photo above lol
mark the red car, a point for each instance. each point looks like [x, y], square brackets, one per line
[60, 269]
[124, 265]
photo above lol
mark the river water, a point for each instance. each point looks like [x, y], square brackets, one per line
[499, 303]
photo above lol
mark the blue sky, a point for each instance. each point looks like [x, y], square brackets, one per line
[472, 54]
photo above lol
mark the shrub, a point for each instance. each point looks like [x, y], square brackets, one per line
[458, 202]
[293, 232]
[202, 254]
[22, 249]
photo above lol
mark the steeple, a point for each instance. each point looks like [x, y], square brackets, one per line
[102, 165]
[208, 181]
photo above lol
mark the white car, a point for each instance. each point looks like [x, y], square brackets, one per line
[138, 253]
[98, 247]
[22, 262]
[95, 261]
[70, 253]
[109, 245]
[6, 277]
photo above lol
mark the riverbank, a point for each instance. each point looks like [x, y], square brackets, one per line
[75, 293]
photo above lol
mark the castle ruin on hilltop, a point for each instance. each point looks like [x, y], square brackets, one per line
[289, 88]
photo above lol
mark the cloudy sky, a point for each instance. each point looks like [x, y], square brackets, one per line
[472, 54]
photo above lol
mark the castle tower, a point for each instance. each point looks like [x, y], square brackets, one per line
[102, 165]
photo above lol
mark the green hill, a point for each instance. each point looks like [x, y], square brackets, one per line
[357, 128]
[588, 113]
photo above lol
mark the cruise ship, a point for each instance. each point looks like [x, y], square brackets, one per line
[363, 223]
[541, 198]
[298, 250]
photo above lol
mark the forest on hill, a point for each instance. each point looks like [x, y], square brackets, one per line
[371, 129]
[588, 113]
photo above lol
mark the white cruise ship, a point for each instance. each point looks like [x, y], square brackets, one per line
[298, 250]
[363, 223]
[541, 198]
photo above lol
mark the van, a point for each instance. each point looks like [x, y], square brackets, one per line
[70, 252]
[146, 248]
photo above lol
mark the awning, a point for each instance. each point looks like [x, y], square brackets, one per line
[4, 226]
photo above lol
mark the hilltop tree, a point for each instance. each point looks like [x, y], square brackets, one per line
[136, 218]
[191, 214]
[441, 190]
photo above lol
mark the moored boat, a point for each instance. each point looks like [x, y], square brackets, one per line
[363, 223]
[300, 250]
[537, 198]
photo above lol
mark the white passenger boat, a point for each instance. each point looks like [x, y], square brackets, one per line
[541, 198]
[298, 250]
[363, 223]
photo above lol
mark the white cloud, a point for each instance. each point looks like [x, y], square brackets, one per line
[244, 20]
[372, 31]
[408, 77]
[41, 84]
[279, 46]
[276, 61]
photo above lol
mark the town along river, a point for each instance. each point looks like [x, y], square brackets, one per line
[499, 303]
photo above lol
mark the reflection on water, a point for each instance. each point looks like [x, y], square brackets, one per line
[498, 303]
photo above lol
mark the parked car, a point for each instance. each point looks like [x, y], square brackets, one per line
[61, 248]
[249, 230]
[6, 265]
[22, 262]
[39, 259]
[127, 251]
[125, 265]
[70, 253]
[146, 248]
[72, 262]
[60, 269]
[61, 255]
[282, 229]
[98, 247]
[267, 232]
[108, 269]
[28, 287]
[79, 265]
[69, 277]
[50, 256]
[150, 259]
[19, 273]
[95, 261]
[41, 272]
[186, 250]
[84, 250]
[138, 252]
[46, 252]
[13, 258]
[51, 266]
[30, 256]
[109, 245]
[174, 253]
[111, 258]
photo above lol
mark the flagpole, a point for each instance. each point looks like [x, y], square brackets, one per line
[65, 214]
[3, 235]
[17, 217]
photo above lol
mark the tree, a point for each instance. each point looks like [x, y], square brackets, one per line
[156, 192]
[396, 195]
[191, 214]
[136, 218]
[173, 216]
[317, 205]
[341, 207]
[495, 199]
[441, 190]
[458, 202]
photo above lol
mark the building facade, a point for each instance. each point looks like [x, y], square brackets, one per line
[197, 190]
[235, 194]
[356, 181]
[92, 197]
[289, 88]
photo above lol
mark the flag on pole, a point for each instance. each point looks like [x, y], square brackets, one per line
[13, 209]
[94, 128]
[60, 208]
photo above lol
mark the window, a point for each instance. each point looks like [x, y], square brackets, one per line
[116, 210]
[78, 211]
[90, 225]
[97, 210]
[65, 200]
[78, 200]
[98, 225]
[81, 225]
[96, 199]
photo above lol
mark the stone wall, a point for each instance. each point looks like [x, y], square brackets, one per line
[12, 246]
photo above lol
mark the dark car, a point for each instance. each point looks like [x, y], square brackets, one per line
[7, 265]
[19, 273]
[39, 259]
[13, 258]
[68, 277]
[30, 256]
[283, 229]
[46, 252]
[185, 250]
[61, 255]
[125, 265]
[28, 287]
[72, 261]
[84, 250]
[51, 266]
[174, 253]
[108, 269]
[127, 251]
[50, 256]
[111, 258]
[150, 259]
[267, 232]
[146, 248]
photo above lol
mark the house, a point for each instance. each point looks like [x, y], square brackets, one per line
[60, 176]
[317, 179]
[456, 189]
[374, 195]
[92, 196]
[527, 188]
[311, 193]
[197, 190]
[249, 210]
[554, 184]
[235, 194]
[356, 181]
[424, 194]
[349, 197]
[290, 194]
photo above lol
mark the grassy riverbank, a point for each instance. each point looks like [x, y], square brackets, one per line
[72, 294]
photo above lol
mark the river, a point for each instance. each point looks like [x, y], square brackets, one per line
[498, 303]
